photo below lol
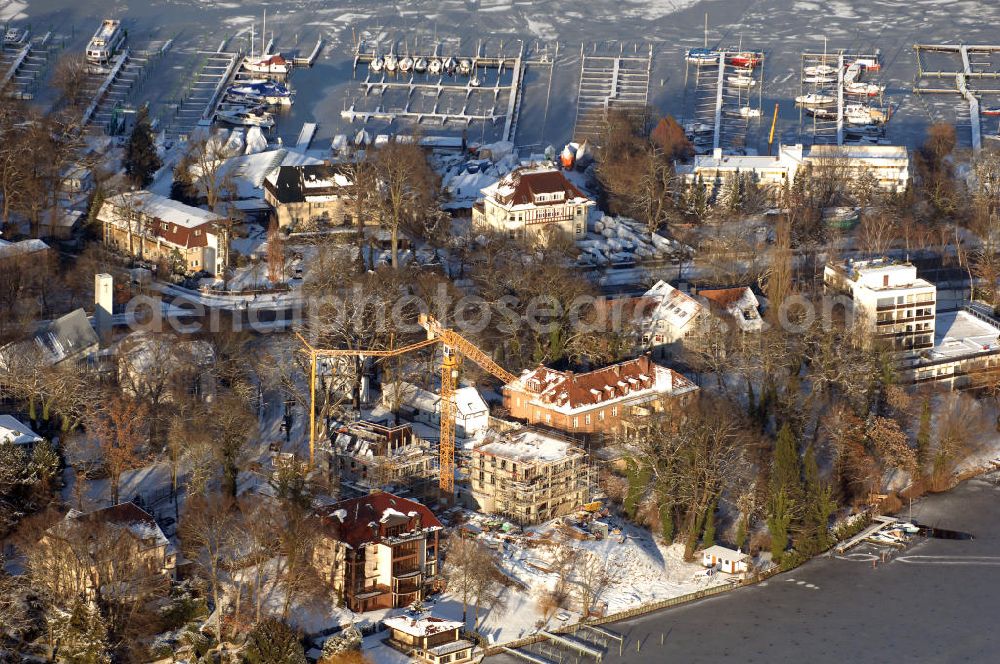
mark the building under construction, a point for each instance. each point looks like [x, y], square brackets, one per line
[369, 456]
[527, 476]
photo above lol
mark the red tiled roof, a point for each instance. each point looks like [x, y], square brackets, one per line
[366, 516]
[572, 390]
[723, 296]
[183, 236]
[528, 183]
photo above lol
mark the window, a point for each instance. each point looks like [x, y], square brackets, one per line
[600, 416]
[586, 419]
[614, 411]
[576, 422]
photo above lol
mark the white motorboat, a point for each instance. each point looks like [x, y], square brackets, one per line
[864, 89]
[819, 70]
[858, 114]
[822, 113]
[818, 79]
[434, 67]
[391, 62]
[741, 81]
[405, 64]
[748, 112]
[377, 64]
[852, 73]
[474, 82]
[246, 117]
[814, 99]
[420, 65]
[702, 56]
[464, 67]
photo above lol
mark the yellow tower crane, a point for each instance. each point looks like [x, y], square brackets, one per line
[455, 347]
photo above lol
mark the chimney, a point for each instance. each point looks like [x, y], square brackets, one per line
[104, 297]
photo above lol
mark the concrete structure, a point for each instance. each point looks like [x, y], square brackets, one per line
[738, 305]
[527, 476]
[378, 551]
[104, 305]
[726, 560]
[966, 351]
[897, 306]
[888, 164]
[596, 401]
[14, 431]
[378, 456]
[155, 228]
[533, 200]
[429, 640]
[310, 196]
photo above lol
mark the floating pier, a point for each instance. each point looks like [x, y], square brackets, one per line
[200, 100]
[310, 59]
[610, 81]
[22, 68]
[306, 135]
[966, 73]
[723, 98]
[488, 93]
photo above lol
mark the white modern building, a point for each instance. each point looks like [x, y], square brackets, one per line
[531, 200]
[889, 164]
[896, 305]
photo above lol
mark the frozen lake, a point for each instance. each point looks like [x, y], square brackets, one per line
[783, 29]
[933, 602]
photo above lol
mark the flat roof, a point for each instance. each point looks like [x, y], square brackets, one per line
[524, 445]
[959, 333]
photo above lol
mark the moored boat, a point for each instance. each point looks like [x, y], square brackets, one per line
[741, 81]
[246, 116]
[702, 56]
[819, 70]
[744, 59]
[275, 65]
[377, 64]
[420, 65]
[434, 66]
[405, 64]
[464, 66]
[390, 62]
[814, 99]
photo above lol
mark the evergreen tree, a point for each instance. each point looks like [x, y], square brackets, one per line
[708, 539]
[183, 187]
[273, 642]
[778, 520]
[924, 437]
[787, 473]
[83, 635]
[667, 523]
[820, 504]
[741, 532]
[141, 160]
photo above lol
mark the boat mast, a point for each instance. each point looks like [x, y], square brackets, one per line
[263, 32]
[252, 39]
[706, 29]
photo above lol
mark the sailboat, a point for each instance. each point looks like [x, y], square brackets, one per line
[741, 81]
[390, 62]
[702, 55]
[420, 65]
[864, 89]
[449, 66]
[464, 66]
[434, 67]
[274, 65]
[819, 70]
[377, 64]
[814, 99]
[405, 64]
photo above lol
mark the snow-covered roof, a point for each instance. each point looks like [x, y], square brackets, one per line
[165, 209]
[22, 248]
[468, 402]
[723, 552]
[526, 445]
[670, 306]
[129, 516]
[14, 431]
[740, 303]
[421, 627]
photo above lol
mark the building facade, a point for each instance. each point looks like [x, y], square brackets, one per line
[596, 401]
[310, 196]
[429, 640]
[155, 228]
[378, 551]
[895, 305]
[532, 201]
[889, 165]
[527, 476]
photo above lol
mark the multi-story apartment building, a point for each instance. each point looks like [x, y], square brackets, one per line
[889, 165]
[596, 401]
[155, 228]
[378, 551]
[527, 475]
[897, 306]
[532, 200]
[375, 455]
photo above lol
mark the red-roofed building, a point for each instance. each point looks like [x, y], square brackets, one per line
[532, 200]
[155, 228]
[596, 401]
[378, 551]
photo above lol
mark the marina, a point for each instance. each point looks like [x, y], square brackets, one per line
[840, 100]
[724, 92]
[23, 63]
[120, 85]
[610, 81]
[974, 69]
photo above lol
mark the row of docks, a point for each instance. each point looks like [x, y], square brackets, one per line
[610, 81]
[488, 92]
[840, 100]
[584, 644]
[200, 99]
[973, 71]
[23, 63]
[723, 95]
[116, 88]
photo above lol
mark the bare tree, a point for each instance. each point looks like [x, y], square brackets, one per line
[120, 427]
[408, 188]
[206, 531]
